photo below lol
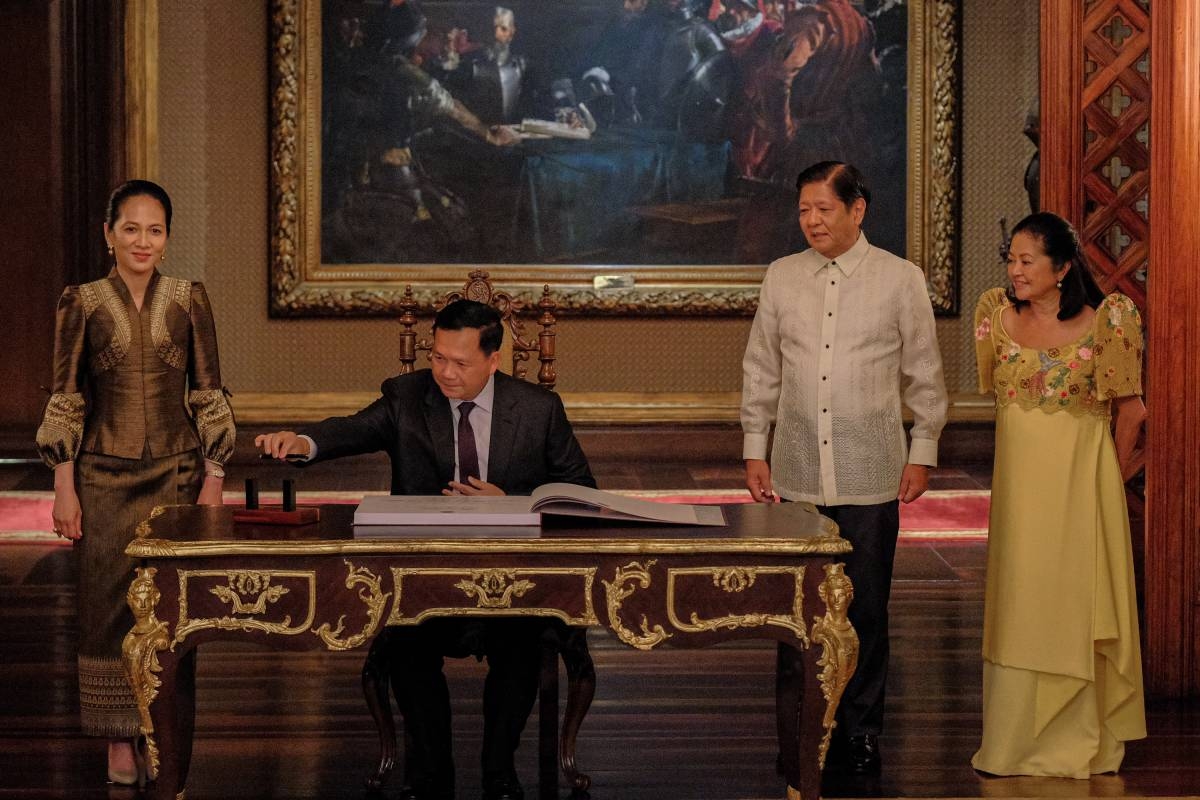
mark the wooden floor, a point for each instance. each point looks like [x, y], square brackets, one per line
[666, 725]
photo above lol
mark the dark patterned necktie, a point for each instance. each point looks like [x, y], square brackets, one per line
[468, 456]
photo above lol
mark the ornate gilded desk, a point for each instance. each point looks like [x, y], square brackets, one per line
[768, 574]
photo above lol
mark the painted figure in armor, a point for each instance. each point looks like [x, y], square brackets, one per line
[696, 74]
[490, 80]
[501, 71]
[626, 62]
[396, 211]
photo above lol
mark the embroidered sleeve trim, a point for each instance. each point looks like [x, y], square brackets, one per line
[214, 423]
[61, 431]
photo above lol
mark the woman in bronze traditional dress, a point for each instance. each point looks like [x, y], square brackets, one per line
[137, 418]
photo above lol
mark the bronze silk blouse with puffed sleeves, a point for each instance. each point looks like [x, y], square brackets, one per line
[129, 383]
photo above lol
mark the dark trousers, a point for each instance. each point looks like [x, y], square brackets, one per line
[873, 531]
[513, 651]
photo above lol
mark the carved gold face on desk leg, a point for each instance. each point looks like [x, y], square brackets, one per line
[139, 655]
[839, 645]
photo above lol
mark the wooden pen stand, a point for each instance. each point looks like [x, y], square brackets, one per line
[275, 515]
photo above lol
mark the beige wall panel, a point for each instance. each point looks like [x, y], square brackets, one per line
[1000, 85]
[213, 128]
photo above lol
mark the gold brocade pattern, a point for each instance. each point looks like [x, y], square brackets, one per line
[89, 297]
[1079, 377]
[214, 423]
[101, 293]
[61, 431]
[167, 291]
[107, 707]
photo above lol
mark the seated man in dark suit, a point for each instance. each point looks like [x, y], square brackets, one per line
[459, 428]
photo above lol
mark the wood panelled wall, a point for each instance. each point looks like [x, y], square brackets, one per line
[62, 70]
[1121, 159]
[1173, 474]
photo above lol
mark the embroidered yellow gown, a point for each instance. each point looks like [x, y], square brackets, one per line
[1062, 677]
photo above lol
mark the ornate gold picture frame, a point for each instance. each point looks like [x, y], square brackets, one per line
[301, 284]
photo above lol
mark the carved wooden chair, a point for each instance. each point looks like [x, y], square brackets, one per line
[517, 348]
[556, 750]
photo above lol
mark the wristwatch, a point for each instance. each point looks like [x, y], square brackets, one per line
[214, 470]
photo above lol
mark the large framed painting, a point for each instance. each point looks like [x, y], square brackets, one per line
[639, 156]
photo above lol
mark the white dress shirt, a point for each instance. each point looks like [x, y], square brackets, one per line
[835, 346]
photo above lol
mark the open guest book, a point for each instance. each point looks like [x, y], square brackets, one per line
[552, 498]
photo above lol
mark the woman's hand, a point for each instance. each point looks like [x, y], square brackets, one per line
[210, 492]
[67, 515]
[1129, 413]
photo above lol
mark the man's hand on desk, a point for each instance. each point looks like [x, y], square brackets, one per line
[502, 136]
[473, 486]
[281, 444]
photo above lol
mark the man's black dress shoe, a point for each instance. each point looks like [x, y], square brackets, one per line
[838, 754]
[862, 755]
[503, 790]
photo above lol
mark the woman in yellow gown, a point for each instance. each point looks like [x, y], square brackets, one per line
[1062, 676]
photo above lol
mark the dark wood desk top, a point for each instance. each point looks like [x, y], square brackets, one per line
[192, 531]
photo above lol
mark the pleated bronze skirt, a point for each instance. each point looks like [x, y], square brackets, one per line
[115, 495]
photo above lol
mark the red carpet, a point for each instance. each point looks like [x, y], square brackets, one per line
[25, 516]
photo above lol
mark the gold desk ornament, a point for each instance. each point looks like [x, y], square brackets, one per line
[734, 580]
[139, 655]
[143, 528]
[240, 583]
[247, 583]
[494, 588]
[372, 596]
[616, 594]
[839, 645]
[493, 593]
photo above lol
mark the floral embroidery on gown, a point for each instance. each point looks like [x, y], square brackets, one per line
[1062, 687]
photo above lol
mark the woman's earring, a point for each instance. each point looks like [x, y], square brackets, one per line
[1058, 284]
[162, 259]
[110, 249]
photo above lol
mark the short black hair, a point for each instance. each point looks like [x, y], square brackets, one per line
[136, 188]
[472, 314]
[845, 180]
[1061, 243]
